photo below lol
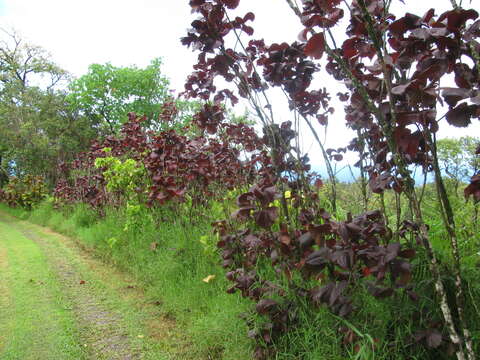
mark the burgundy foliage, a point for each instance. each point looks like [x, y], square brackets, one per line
[473, 189]
[394, 123]
[392, 67]
[341, 255]
[176, 164]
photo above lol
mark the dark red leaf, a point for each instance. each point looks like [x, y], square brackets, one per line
[392, 251]
[453, 95]
[318, 184]
[265, 305]
[315, 46]
[407, 253]
[461, 115]
[306, 240]
[336, 292]
[349, 48]
[346, 309]
[266, 218]
[379, 183]
[249, 16]
[473, 31]
[245, 199]
[319, 258]
[366, 271]
[248, 30]
[231, 4]
[401, 89]
[428, 16]
[243, 213]
[408, 22]
[380, 293]
[457, 18]
[473, 189]
[341, 258]
[464, 76]
[302, 36]
[321, 293]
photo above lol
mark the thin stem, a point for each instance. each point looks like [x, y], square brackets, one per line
[328, 164]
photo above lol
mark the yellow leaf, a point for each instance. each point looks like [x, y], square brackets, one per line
[288, 194]
[208, 278]
[140, 336]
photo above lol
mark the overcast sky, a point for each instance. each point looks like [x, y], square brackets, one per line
[125, 32]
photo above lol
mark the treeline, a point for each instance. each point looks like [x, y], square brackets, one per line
[48, 117]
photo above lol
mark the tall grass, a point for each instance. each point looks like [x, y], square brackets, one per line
[170, 251]
[171, 263]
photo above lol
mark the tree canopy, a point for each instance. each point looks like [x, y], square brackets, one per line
[457, 158]
[38, 130]
[47, 118]
[106, 94]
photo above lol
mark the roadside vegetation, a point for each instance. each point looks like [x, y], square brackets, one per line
[224, 224]
[190, 293]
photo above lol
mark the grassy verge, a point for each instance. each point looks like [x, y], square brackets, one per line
[171, 254]
[35, 321]
[170, 262]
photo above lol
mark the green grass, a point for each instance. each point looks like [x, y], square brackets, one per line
[35, 320]
[172, 271]
[107, 316]
[171, 274]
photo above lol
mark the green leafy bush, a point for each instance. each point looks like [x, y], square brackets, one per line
[25, 192]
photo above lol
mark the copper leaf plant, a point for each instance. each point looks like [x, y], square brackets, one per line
[392, 67]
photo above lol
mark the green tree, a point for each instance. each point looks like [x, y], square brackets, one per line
[38, 128]
[457, 158]
[22, 63]
[106, 94]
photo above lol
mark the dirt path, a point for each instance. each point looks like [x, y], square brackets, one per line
[57, 302]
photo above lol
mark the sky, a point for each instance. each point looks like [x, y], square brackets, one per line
[126, 32]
